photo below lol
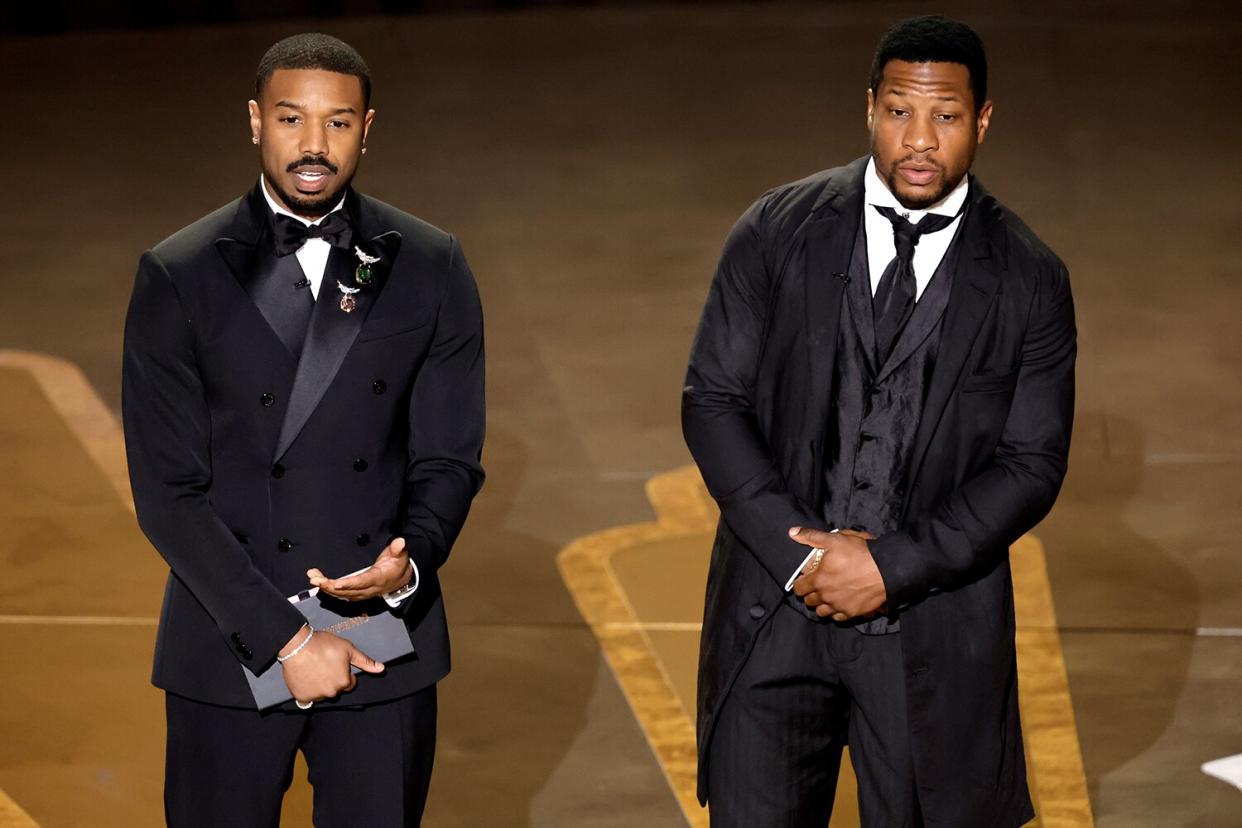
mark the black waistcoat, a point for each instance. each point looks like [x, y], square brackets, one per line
[878, 407]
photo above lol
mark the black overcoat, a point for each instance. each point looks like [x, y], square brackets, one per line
[987, 464]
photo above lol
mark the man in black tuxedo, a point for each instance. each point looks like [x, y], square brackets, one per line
[303, 398]
[880, 398]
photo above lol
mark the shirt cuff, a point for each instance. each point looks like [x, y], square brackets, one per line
[798, 571]
[395, 597]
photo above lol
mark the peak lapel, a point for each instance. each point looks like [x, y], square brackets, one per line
[983, 261]
[244, 250]
[332, 330]
[239, 244]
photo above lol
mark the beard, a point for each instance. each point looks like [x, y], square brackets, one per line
[318, 204]
[915, 201]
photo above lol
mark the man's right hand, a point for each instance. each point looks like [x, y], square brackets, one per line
[321, 669]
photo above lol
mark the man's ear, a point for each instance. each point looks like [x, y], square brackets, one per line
[982, 122]
[256, 120]
[870, 109]
[366, 125]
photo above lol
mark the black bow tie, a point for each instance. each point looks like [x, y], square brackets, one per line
[291, 234]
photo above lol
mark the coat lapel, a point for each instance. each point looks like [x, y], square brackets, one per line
[984, 259]
[246, 250]
[332, 331]
[829, 234]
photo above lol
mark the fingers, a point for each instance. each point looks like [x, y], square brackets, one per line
[363, 584]
[810, 537]
[364, 662]
[394, 549]
[857, 534]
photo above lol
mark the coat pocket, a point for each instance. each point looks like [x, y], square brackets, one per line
[989, 383]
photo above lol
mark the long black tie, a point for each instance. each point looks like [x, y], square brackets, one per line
[894, 295]
[291, 234]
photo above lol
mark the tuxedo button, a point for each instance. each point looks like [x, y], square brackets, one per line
[235, 638]
[379, 386]
[278, 471]
[267, 400]
[363, 539]
[865, 437]
[284, 544]
[757, 611]
[246, 652]
[862, 485]
[360, 465]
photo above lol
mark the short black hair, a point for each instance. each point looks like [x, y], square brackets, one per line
[934, 39]
[312, 50]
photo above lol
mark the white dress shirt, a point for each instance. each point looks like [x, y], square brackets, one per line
[882, 249]
[313, 254]
[313, 257]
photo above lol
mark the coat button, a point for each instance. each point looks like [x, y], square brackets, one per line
[363, 539]
[866, 437]
[247, 653]
[235, 638]
[278, 471]
[360, 465]
[267, 400]
[284, 544]
[862, 486]
[379, 386]
[757, 611]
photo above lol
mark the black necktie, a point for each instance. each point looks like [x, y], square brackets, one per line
[291, 234]
[894, 295]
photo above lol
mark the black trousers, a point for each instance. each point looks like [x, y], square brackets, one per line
[368, 765]
[807, 688]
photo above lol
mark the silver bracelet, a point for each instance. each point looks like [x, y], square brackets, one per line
[283, 658]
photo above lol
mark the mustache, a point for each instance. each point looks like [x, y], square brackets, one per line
[312, 161]
[914, 159]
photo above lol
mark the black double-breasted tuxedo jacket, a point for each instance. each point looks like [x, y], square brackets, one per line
[250, 465]
[988, 460]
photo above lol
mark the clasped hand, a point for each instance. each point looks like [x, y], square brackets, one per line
[321, 669]
[847, 583]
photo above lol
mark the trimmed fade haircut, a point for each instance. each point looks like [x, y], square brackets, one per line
[934, 39]
[314, 51]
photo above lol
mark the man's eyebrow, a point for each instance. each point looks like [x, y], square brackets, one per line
[901, 93]
[348, 110]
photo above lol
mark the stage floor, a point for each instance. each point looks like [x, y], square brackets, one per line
[591, 162]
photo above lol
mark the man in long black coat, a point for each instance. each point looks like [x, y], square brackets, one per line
[303, 398]
[880, 398]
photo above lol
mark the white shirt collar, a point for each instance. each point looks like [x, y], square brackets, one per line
[876, 192]
[279, 208]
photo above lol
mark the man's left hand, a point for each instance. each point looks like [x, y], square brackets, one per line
[847, 583]
[390, 572]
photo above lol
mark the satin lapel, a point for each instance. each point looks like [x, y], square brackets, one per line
[240, 248]
[332, 331]
[984, 259]
[328, 338]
